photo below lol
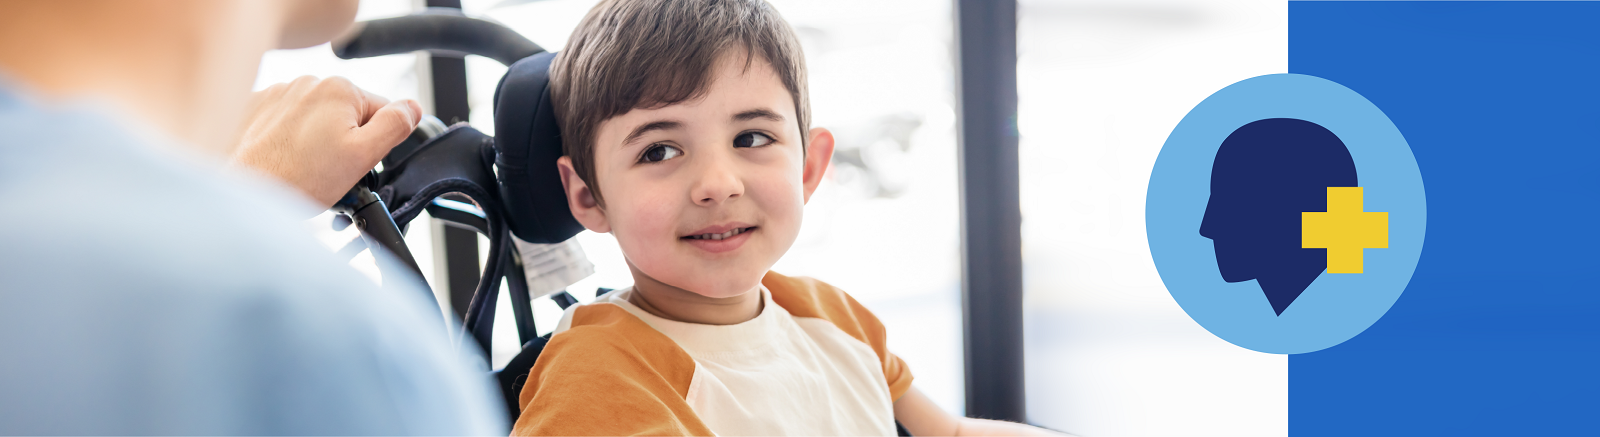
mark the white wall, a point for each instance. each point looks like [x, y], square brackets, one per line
[1101, 84]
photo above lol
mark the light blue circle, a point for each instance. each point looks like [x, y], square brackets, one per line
[1336, 307]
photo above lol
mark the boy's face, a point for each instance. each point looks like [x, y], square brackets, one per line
[705, 195]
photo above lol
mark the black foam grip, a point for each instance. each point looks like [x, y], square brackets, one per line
[435, 31]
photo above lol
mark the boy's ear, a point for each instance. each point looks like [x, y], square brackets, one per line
[580, 199]
[819, 153]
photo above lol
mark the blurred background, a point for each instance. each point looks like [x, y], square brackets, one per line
[1101, 83]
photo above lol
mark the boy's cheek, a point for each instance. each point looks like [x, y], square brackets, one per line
[780, 197]
[648, 239]
[646, 213]
[782, 203]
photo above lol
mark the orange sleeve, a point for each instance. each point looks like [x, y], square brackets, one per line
[807, 297]
[609, 374]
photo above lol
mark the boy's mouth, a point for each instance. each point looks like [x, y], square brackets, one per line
[720, 238]
[719, 235]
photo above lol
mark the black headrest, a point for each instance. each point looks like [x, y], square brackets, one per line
[528, 143]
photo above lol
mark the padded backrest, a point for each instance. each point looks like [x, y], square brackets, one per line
[528, 143]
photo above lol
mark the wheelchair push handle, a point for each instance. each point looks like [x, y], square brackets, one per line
[527, 142]
[438, 30]
[371, 216]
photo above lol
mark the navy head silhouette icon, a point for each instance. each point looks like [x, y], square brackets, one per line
[1266, 173]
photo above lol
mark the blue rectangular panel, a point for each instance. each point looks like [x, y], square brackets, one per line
[1499, 330]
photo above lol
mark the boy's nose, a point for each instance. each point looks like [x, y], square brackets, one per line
[717, 184]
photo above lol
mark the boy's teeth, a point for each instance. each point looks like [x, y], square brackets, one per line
[730, 233]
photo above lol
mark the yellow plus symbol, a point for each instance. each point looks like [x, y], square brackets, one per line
[1344, 230]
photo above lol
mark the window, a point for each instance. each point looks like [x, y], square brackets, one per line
[1101, 83]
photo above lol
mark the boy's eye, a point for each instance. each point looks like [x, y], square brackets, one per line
[751, 139]
[660, 152]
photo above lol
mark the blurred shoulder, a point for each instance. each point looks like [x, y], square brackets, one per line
[149, 267]
[91, 190]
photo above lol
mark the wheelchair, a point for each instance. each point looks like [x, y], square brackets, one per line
[499, 186]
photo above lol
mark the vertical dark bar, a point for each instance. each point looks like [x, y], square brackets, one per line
[461, 266]
[521, 304]
[450, 105]
[449, 89]
[991, 216]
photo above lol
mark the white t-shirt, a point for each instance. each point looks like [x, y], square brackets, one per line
[812, 363]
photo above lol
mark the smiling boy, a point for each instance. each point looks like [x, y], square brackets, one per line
[686, 128]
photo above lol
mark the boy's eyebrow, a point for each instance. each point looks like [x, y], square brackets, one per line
[757, 113]
[653, 126]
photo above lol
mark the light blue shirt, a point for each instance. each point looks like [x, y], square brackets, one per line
[145, 291]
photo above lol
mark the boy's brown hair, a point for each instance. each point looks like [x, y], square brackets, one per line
[628, 54]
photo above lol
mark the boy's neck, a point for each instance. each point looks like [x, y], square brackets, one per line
[676, 304]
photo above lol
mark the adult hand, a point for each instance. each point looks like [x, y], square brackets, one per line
[322, 135]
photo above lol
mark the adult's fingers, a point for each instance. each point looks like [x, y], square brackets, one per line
[387, 127]
[372, 103]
